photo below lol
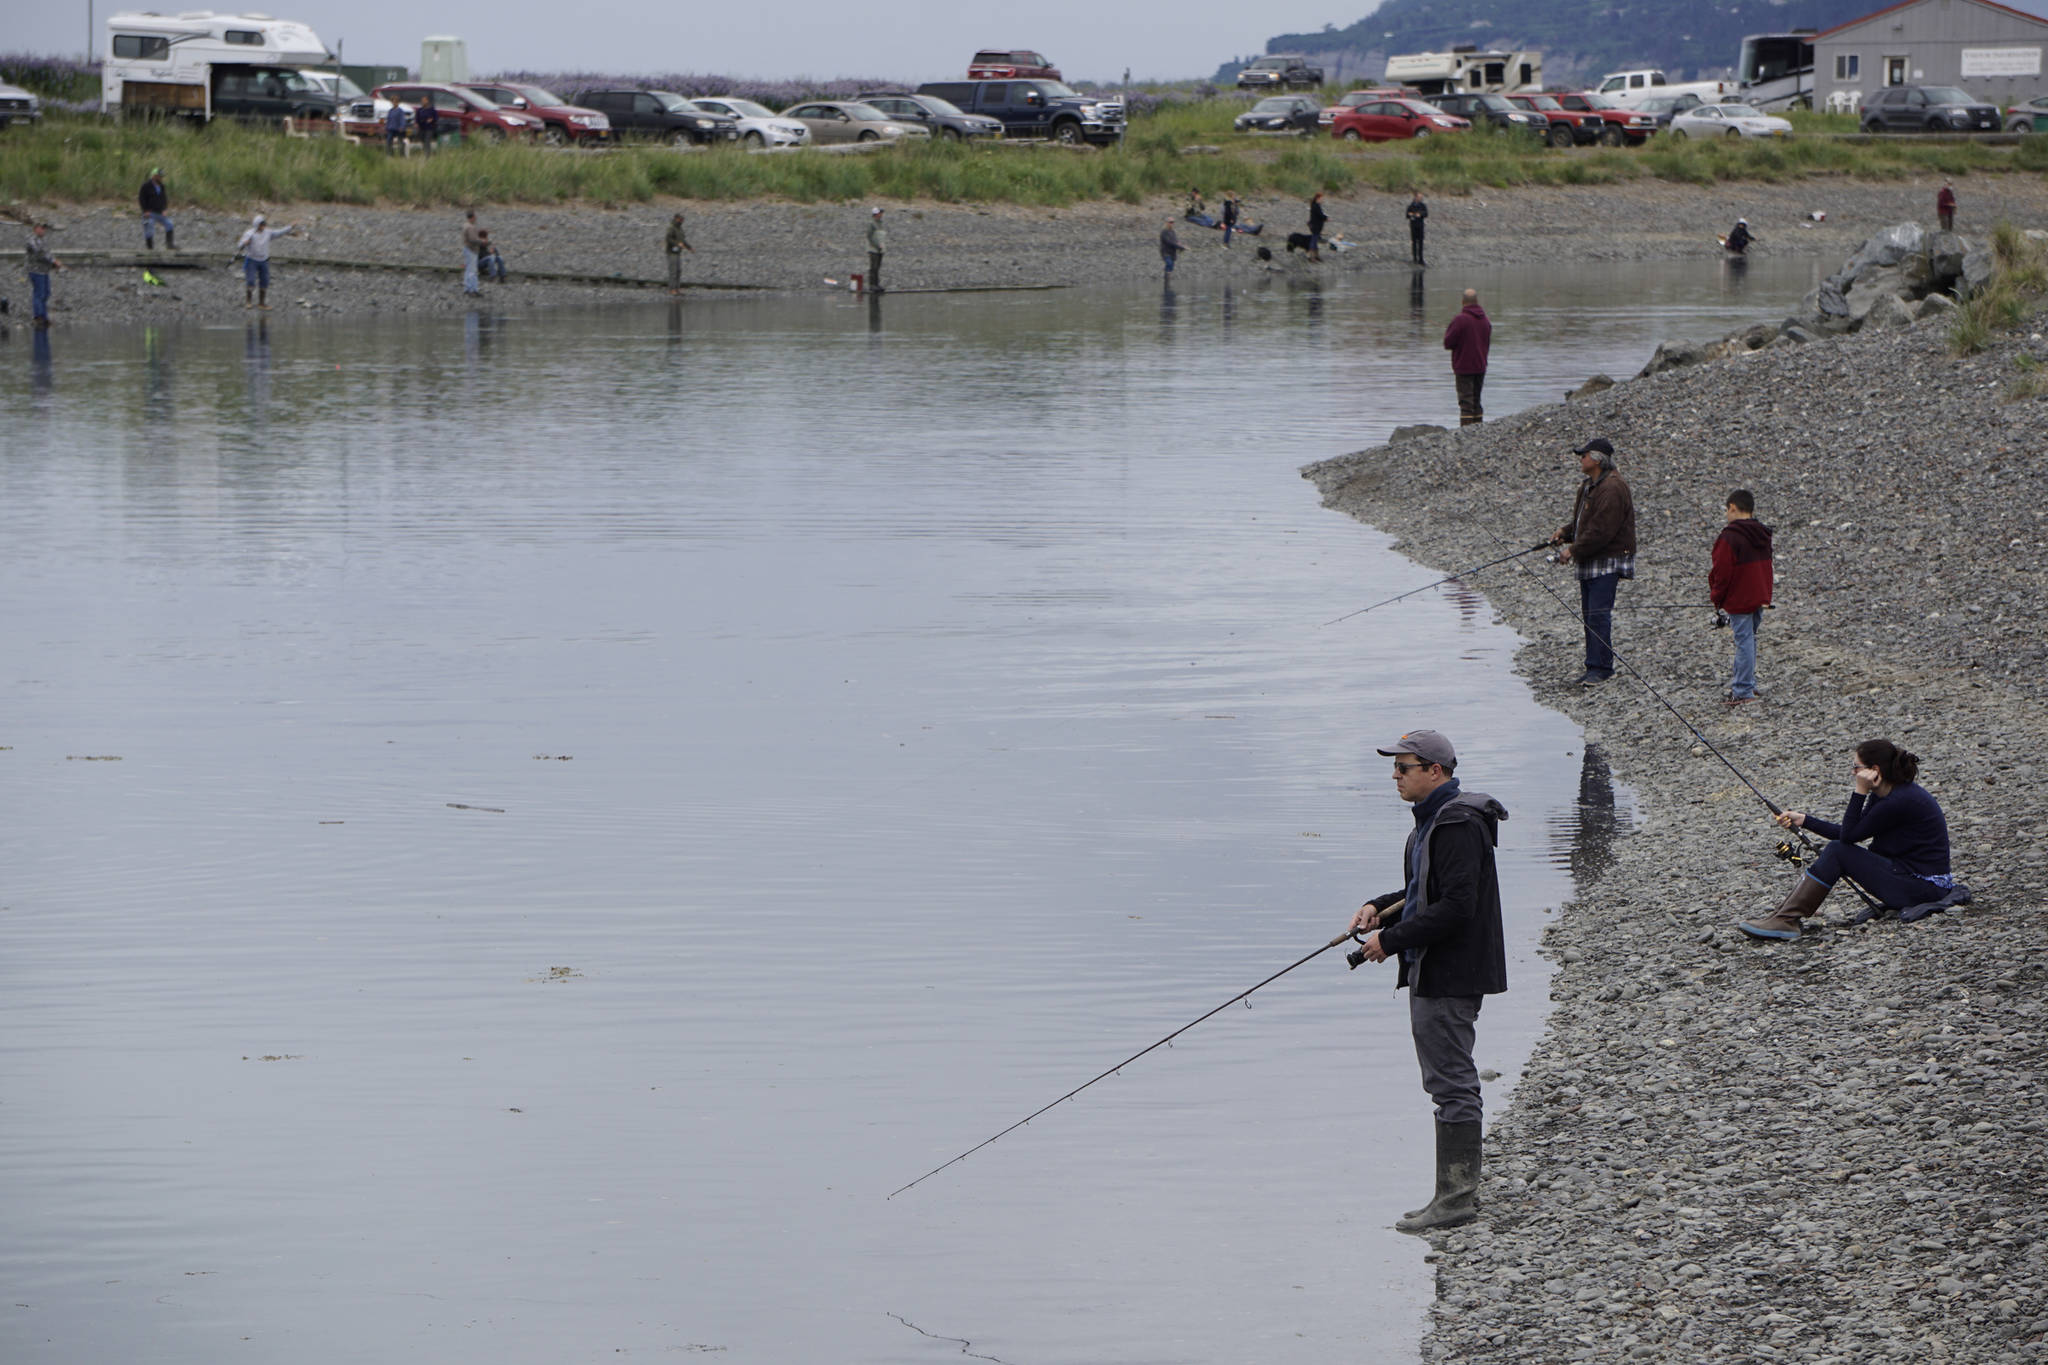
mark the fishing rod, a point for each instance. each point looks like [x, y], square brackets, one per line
[1784, 849]
[1448, 578]
[1345, 937]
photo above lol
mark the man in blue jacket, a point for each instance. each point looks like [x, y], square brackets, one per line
[1444, 925]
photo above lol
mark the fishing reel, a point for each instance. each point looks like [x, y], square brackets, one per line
[1793, 853]
[1356, 957]
[1720, 621]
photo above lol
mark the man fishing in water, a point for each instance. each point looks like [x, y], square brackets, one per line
[1444, 926]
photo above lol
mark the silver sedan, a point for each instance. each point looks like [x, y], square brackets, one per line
[849, 121]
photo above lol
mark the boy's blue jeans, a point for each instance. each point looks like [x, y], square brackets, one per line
[1744, 626]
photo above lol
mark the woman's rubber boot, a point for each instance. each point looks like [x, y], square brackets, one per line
[1457, 1181]
[1783, 923]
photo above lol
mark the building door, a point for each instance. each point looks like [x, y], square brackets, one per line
[1895, 71]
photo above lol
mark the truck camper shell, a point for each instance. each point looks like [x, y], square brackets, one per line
[199, 63]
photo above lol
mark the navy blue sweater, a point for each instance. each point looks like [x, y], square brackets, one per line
[1906, 827]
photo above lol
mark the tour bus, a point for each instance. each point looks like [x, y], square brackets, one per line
[201, 65]
[1466, 70]
[1775, 70]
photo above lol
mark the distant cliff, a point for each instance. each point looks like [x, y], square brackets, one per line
[1579, 41]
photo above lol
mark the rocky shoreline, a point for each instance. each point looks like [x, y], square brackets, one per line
[798, 247]
[1834, 1150]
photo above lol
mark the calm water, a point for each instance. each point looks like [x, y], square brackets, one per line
[521, 832]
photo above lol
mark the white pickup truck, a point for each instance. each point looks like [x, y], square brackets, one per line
[1631, 88]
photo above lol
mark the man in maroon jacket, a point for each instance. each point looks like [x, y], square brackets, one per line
[1740, 584]
[1467, 339]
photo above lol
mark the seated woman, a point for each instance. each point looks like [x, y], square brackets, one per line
[1907, 861]
[1198, 211]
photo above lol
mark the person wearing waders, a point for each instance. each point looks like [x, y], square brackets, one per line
[675, 244]
[1468, 339]
[1945, 207]
[37, 261]
[156, 201]
[1317, 218]
[1739, 583]
[1444, 925]
[254, 249]
[878, 242]
[1169, 247]
[472, 252]
[1418, 216]
[1600, 542]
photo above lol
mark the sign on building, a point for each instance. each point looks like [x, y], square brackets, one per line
[2001, 61]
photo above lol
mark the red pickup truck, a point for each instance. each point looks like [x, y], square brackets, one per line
[1622, 125]
[1568, 128]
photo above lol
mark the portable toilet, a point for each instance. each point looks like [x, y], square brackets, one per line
[444, 59]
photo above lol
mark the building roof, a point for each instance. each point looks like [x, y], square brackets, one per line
[1908, 4]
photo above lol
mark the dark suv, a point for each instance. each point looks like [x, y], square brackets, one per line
[1928, 109]
[1281, 71]
[1035, 108]
[940, 118]
[263, 94]
[1495, 111]
[660, 114]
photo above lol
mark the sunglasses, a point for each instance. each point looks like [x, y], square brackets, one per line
[1409, 767]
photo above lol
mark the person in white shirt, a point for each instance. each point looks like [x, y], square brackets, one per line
[254, 250]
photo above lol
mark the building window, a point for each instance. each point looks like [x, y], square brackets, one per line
[136, 46]
[1848, 66]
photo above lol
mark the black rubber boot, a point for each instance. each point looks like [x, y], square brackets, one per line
[1457, 1181]
[170, 239]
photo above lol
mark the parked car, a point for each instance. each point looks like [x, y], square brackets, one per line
[1928, 109]
[463, 111]
[940, 118]
[561, 122]
[851, 121]
[759, 125]
[1494, 110]
[1392, 119]
[1281, 70]
[1568, 128]
[660, 114]
[265, 94]
[1280, 114]
[1623, 123]
[1353, 98]
[2025, 118]
[1035, 108]
[18, 105]
[1727, 120]
[1002, 64]
[1664, 108]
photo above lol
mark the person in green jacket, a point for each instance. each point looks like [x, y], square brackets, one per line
[878, 240]
[676, 244]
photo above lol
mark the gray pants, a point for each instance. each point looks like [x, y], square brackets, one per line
[874, 272]
[675, 270]
[1444, 1026]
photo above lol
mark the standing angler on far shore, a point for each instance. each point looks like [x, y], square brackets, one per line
[1600, 540]
[1317, 218]
[1418, 222]
[1444, 925]
[155, 199]
[675, 244]
[38, 262]
[472, 251]
[1169, 246]
[1469, 338]
[878, 242]
[1945, 207]
[254, 249]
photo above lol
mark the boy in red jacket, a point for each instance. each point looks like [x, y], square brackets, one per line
[1740, 585]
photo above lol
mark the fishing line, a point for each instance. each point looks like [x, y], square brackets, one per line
[1773, 807]
[1448, 578]
[1241, 995]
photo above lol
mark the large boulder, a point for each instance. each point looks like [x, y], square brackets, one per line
[1934, 305]
[1977, 270]
[1945, 252]
[1887, 248]
[1672, 355]
[1889, 312]
[1877, 285]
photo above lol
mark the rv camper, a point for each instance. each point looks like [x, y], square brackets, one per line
[1466, 70]
[200, 65]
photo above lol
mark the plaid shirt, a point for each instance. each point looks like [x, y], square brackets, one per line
[1625, 565]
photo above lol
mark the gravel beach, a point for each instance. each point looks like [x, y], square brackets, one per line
[942, 246]
[1833, 1150]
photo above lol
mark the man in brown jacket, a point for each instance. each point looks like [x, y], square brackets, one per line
[1600, 540]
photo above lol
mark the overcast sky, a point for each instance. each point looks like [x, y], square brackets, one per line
[1086, 39]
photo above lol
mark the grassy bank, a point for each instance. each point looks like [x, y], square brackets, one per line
[84, 159]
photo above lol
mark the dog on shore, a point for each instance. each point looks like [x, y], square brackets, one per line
[1300, 241]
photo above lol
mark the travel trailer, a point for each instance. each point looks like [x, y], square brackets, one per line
[201, 65]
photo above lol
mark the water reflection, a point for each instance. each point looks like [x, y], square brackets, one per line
[1583, 836]
[1418, 298]
[41, 373]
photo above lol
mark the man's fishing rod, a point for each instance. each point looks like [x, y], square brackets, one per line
[1449, 578]
[1785, 849]
[1241, 995]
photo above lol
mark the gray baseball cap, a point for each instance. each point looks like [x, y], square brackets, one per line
[1427, 745]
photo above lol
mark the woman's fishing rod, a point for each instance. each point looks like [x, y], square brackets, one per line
[1449, 578]
[1241, 995]
[1773, 807]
